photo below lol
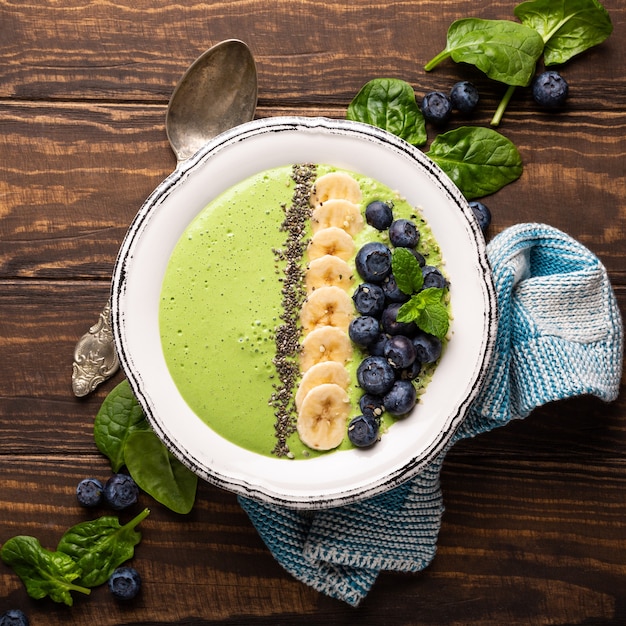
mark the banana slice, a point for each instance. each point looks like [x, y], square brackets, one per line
[327, 306]
[325, 343]
[326, 271]
[335, 185]
[333, 240]
[320, 374]
[322, 417]
[340, 213]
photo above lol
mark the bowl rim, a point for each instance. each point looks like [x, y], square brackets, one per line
[261, 490]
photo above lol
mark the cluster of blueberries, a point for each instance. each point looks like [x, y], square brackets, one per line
[396, 350]
[549, 90]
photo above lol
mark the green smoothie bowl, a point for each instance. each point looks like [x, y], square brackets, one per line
[242, 294]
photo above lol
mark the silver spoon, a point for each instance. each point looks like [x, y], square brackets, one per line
[217, 92]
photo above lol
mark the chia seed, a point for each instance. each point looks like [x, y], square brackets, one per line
[287, 334]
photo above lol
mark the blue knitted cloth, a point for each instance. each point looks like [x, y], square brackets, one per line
[559, 335]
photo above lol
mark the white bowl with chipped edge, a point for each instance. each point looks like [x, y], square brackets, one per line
[337, 478]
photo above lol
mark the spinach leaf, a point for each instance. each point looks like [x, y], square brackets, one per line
[119, 415]
[158, 473]
[478, 160]
[44, 573]
[504, 50]
[428, 311]
[389, 103]
[567, 27]
[407, 271]
[99, 546]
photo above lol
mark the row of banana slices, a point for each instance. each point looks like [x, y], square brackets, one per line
[321, 399]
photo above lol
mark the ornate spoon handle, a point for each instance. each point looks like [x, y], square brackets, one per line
[95, 358]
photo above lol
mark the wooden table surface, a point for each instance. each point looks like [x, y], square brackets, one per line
[534, 530]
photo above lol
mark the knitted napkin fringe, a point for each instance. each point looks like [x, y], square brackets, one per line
[559, 335]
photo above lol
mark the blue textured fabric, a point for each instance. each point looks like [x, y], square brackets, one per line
[559, 335]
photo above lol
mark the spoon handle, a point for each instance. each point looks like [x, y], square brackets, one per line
[95, 358]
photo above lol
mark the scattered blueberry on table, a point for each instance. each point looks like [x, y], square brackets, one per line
[125, 583]
[14, 617]
[550, 89]
[90, 492]
[464, 96]
[121, 491]
[436, 107]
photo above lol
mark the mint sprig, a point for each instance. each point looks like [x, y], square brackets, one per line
[407, 271]
[428, 311]
[426, 307]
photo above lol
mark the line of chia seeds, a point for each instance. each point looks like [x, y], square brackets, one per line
[287, 334]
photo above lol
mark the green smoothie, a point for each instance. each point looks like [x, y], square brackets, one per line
[221, 304]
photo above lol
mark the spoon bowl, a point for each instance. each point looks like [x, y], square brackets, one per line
[217, 92]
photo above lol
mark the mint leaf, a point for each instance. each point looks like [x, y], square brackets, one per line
[407, 271]
[427, 310]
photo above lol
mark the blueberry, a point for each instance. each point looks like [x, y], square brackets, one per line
[427, 347]
[399, 352]
[364, 330]
[14, 617]
[550, 89]
[403, 234]
[392, 292]
[433, 277]
[436, 107]
[377, 348]
[375, 375]
[371, 405]
[363, 431]
[121, 491]
[482, 214]
[373, 262]
[411, 372]
[379, 214]
[392, 326]
[464, 96]
[420, 259]
[369, 299]
[89, 492]
[401, 398]
[125, 583]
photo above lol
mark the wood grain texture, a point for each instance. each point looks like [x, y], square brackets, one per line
[534, 531]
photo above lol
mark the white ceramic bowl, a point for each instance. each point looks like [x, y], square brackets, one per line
[337, 478]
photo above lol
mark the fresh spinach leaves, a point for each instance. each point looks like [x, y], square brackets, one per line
[122, 433]
[44, 573]
[478, 160]
[505, 51]
[389, 103]
[158, 473]
[568, 27]
[508, 51]
[101, 545]
[86, 556]
[120, 415]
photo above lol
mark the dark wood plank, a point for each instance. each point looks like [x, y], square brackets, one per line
[307, 53]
